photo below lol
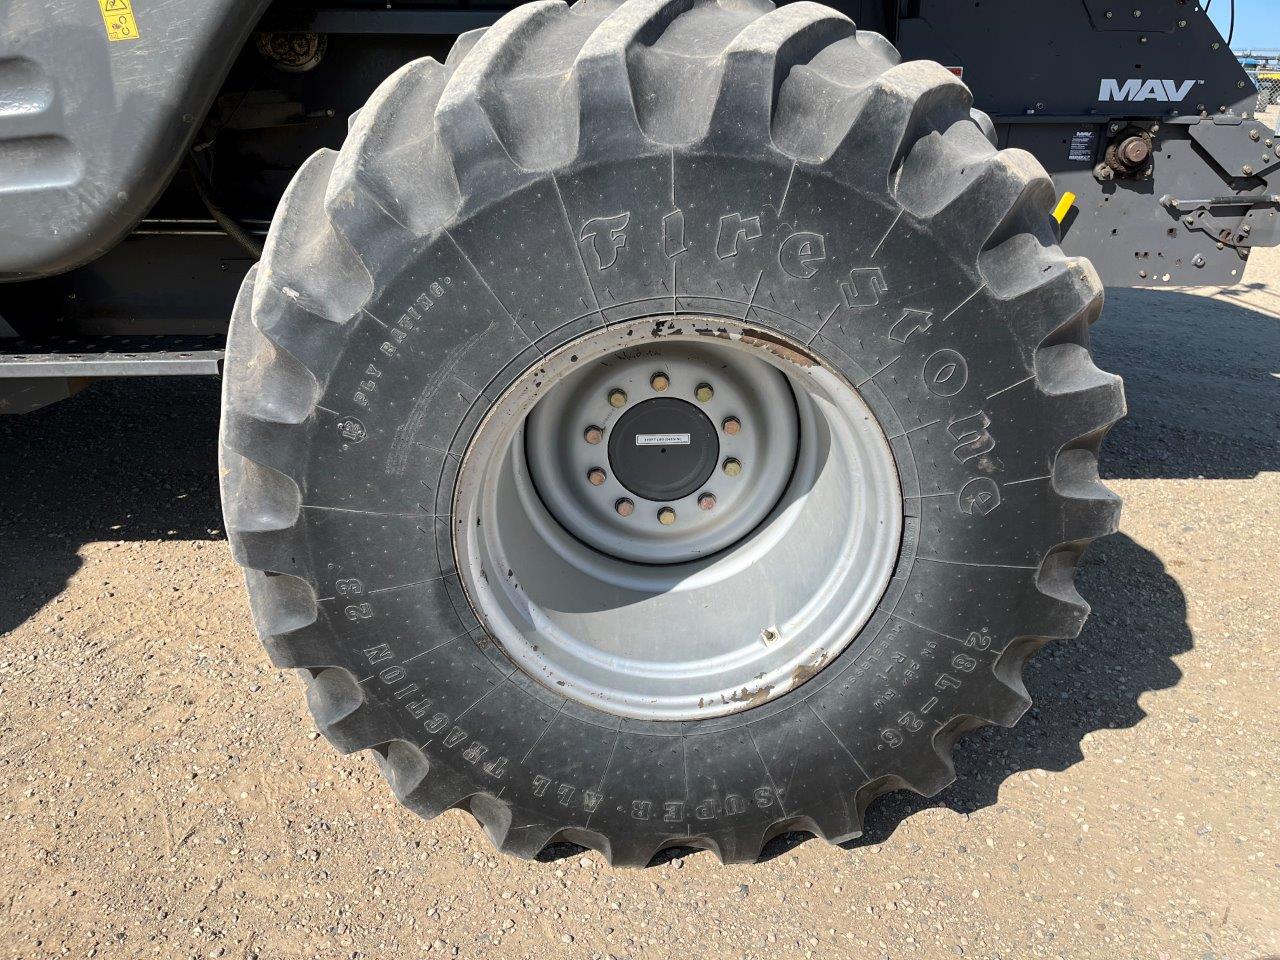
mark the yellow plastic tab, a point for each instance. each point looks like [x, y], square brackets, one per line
[1064, 206]
[119, 19]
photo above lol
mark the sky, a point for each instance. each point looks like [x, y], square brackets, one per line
[1257, 22]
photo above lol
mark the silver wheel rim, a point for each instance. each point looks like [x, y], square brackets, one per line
[715, 608]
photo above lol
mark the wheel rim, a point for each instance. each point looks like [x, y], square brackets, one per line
[680, 528]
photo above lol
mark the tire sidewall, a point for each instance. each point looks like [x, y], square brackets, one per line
[892, 302]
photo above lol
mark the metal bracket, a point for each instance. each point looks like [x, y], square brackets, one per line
[1257, 226]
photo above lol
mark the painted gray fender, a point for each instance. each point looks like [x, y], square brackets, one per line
[91, 129]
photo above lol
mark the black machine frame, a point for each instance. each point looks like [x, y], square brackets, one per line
[138, 175]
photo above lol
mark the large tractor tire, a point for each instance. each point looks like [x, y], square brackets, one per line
[664, 424]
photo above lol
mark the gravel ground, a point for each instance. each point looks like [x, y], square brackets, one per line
[164, 794]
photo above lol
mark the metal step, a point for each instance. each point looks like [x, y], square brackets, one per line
[112, 356]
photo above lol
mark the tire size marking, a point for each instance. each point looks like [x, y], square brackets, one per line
[912, 719]
[409, 322]
[357, 608]
[668, 811]
[896, 673]
[435, 723]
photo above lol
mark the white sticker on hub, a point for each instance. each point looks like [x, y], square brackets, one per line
[662, 439]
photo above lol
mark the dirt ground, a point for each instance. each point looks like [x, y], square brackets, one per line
[164, 794]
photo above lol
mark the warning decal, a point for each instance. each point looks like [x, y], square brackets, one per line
[119, 19]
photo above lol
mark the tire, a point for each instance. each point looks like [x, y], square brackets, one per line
[772, 180]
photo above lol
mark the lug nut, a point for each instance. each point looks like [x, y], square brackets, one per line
[595, 476]
[732, 466]
[617, 398]
[704, 392]
[593, 434]
[732, 426]
[624, 507]
[666, 516]
[707, 501]
[659, 381]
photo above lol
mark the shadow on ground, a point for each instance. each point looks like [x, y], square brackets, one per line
[1201, 378]
[1138, 625]
[135, 460]
[123, 460]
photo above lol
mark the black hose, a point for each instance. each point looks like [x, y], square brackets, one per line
[236, 232]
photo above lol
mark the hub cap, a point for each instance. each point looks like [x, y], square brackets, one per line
[663, 449]
[681, 529]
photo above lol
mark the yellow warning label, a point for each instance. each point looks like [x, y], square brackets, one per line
[119, 19]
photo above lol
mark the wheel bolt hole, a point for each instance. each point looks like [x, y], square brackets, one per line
[659, 381]
[707, 501]
[617, 398]
[731, 426]
[624, 507]
[704, 392]
[595, 476]
[732, 466]
[666, 516]
[593, 434]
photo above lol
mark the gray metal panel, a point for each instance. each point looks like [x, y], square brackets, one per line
[1241, 149]
[90, 129]
[111, 357]
[1121, 225]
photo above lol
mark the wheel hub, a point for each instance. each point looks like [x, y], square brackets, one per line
[663, 454]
